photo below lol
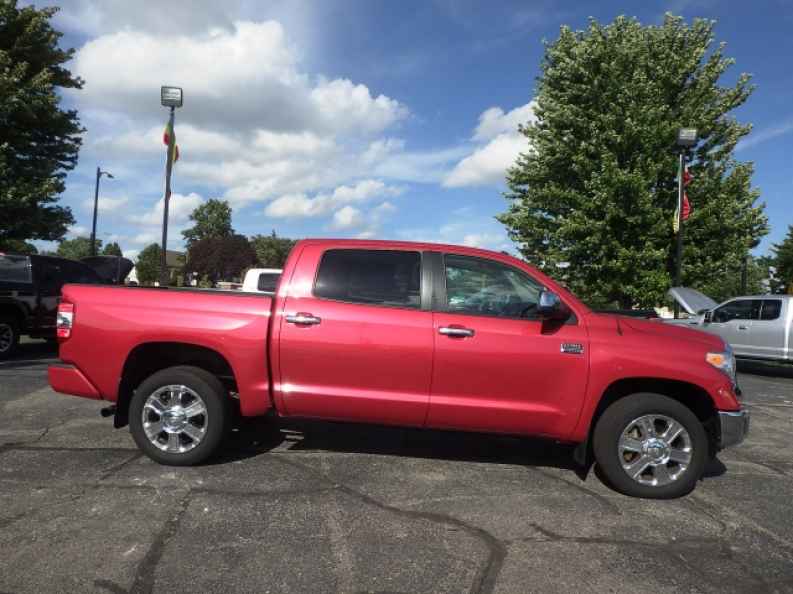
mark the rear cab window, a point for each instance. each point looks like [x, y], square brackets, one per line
[771, 309]
[390, 278]
[15, 269]
[268, 282]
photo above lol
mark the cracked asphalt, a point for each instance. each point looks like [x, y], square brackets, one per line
[315, 507]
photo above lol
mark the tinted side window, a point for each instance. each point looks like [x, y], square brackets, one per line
[483, 287]
[771, 309]
[15, 269]
[742, 309]
[268, 281]
[376, 277]
[75, 272]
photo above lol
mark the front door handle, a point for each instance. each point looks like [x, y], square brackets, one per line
[303, 319]
[455, 331]
[743, 327]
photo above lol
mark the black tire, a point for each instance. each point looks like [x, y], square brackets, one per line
[8, 324]
[218, 413]
[617, 418]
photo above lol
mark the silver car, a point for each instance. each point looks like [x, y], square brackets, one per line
[757, 326]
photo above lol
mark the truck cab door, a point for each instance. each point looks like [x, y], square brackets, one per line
[733, 322]
[766, 337]
[498, 368]
[355, 337]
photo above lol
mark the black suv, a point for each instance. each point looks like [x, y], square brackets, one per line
[30, 287]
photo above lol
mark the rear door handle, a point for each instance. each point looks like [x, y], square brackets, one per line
[303, 319]
[456, 331]
[743, 327]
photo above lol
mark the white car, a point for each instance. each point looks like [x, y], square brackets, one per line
[261, 280]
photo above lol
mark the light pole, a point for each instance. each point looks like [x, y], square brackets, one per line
[686, 138]
[170, 97]
[99, 174]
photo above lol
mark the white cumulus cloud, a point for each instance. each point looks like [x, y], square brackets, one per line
[497, 144]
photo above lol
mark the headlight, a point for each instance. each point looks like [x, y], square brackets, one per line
[724, 362]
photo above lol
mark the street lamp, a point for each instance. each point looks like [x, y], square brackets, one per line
[686, 138]
[99, 174]
[171, 97]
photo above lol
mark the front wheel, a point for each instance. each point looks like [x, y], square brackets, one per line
[649, 445]
[179, 416]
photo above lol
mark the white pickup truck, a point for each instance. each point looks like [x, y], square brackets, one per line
[756, 326]
[261, 280]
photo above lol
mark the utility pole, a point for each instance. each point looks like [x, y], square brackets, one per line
[686, 138]
[679, 248]
[99, 174]
[172, 98]
[164, 277]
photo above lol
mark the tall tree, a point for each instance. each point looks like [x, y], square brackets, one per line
[74, 249]
[782, 261]
[112, 249]
[220, 258]
[271, 250]
[212, 219]
[147, 266]
[39, 141]
[595, 190]
[17, 246]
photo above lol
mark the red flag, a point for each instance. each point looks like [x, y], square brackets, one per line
[687, 177]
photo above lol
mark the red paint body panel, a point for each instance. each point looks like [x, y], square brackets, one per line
[109, 322]
[70, 380]
[389, 365]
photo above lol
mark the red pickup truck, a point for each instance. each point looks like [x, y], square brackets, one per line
[411, 334]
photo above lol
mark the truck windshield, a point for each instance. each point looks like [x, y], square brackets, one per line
[15, 269]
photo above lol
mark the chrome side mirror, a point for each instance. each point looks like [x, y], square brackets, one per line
[551, 307]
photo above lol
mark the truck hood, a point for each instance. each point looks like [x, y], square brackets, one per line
[658, 328]
[691, 300]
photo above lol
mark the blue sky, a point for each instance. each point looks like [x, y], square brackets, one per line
[357, 118]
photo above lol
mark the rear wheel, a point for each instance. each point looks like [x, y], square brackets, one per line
[9, 336]
[180, 415]
[649, 445]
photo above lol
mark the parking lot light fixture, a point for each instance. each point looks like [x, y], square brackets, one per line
[687, 137]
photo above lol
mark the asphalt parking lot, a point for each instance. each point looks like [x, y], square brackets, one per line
[340, 508]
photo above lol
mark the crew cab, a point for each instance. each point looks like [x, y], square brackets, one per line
[410, 334]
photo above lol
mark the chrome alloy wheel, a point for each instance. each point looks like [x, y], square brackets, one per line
[175, 419]
[6, 337]
[655, 450]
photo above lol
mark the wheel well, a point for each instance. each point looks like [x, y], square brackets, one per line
[689, 395]
[148, 358]
[12, 311]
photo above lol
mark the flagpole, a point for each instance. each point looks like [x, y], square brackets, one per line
[164, 277]
[679, 254]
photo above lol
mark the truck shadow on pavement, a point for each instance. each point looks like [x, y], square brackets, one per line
[254, 437]
[767, 369]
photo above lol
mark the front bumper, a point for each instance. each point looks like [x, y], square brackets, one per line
[733, 427]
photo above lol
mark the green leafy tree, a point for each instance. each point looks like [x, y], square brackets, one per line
[112, 249]
[39, 141]
[74, 249]
[17, 246]
[220, 258]
[782, 261]
[271, 250]
[212, 219]
[592, 198]
[148, 264]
